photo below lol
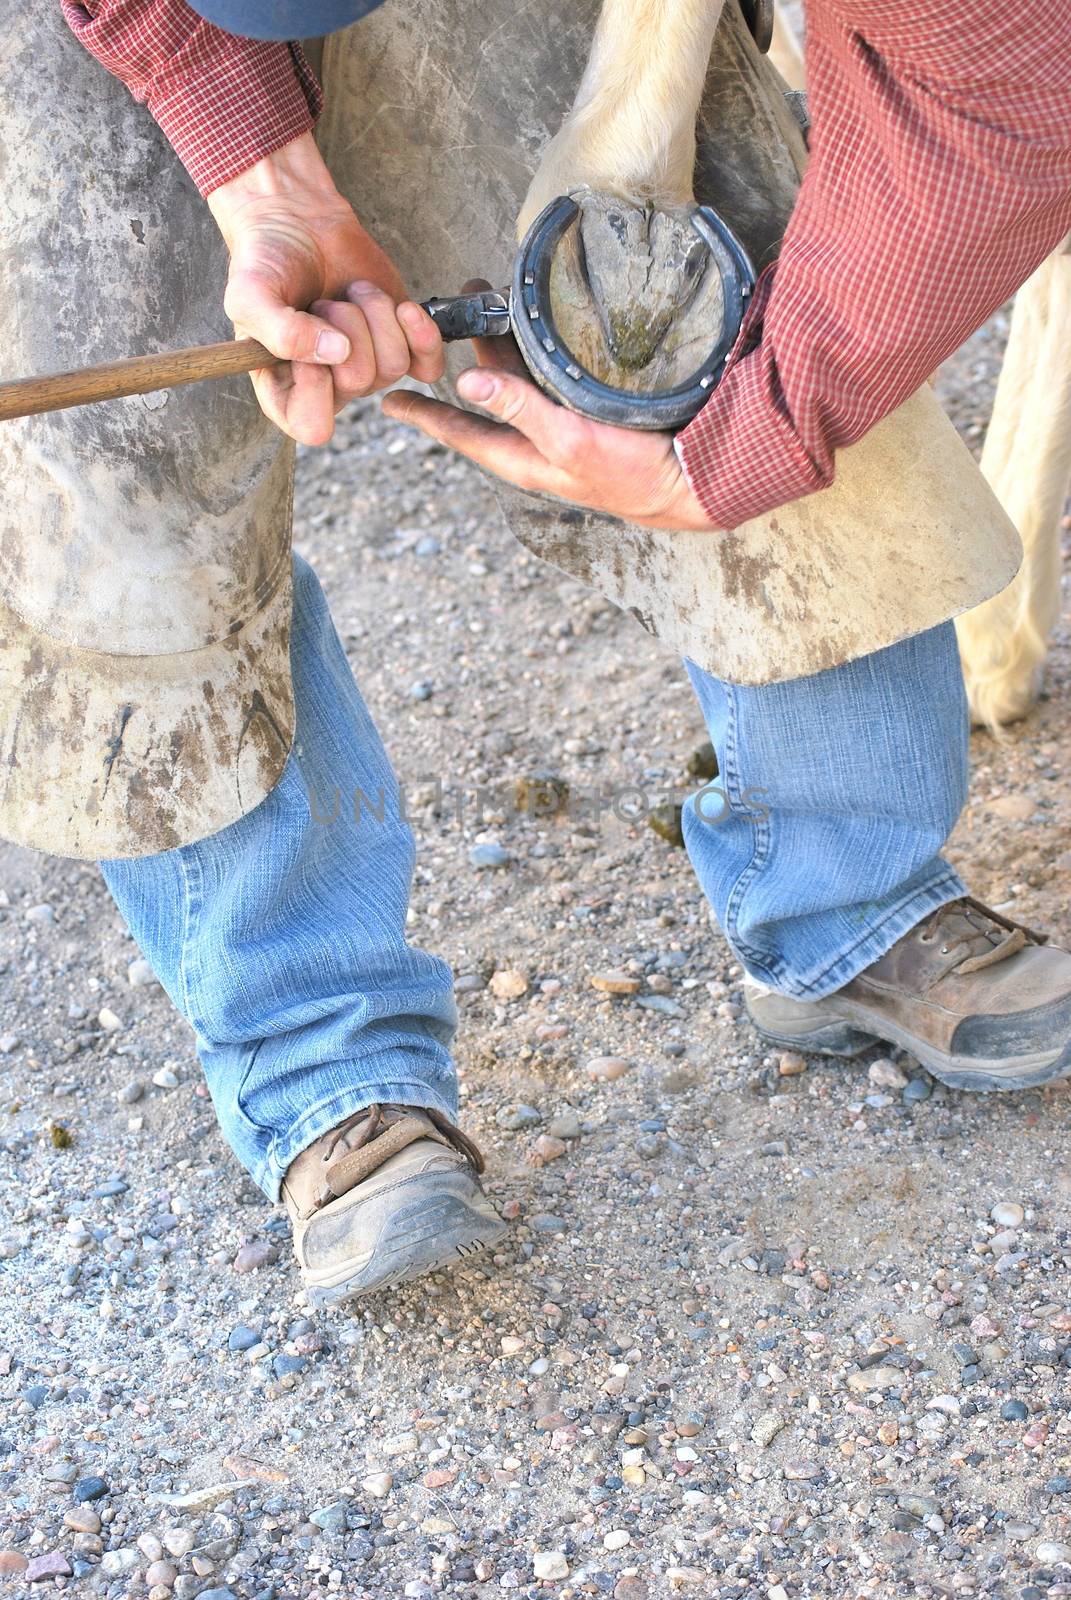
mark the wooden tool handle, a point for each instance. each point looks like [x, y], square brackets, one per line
[26, 397]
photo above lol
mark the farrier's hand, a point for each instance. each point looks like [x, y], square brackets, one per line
[541, 447]
[313, 286]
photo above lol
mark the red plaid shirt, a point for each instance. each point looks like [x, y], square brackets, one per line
[940, 177]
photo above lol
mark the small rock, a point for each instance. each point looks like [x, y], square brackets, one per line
[767, 1427]
[514, 1117]
[1014, 1411]
[139, 974]
[88, 1489]
[790, 1065]
[615, 983]
[108, 1020]
[1051, 1553]
[802, 1470]
[82, 1519]
[52, 1565]
[1012, 807]
[11, 1562]
[887, 1075]
[616, 1539]
[875, 1378]
[160, 1574]
[165, 1078]
[8, 1042]
[550, 1564]
[331, 1518]
[604, 1069]
[115, 1563]
[421, 690]
[42, 913]
[566, 1125]
[512, 1344]
[378, 1484]
[508, 984]
[257, 1253]
[242, 1338]
[488, 856]
[545, 1149]
[1007, 1214]
[918, 1089]
[400, 1444]
[178, 1542]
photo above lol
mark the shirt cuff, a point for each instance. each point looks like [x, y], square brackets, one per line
[236, 108]
[741, 455]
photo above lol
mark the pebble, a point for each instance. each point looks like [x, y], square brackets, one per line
[508, 984]
[615, 983]
[256, 1253]
[870, 1379]
[139, 974]
[1051, 1553]
[515, 1117]
[12, 1562]
[887, 1075]
[604, 1069]
[546, 1149]
[1007, 1214]
[160, 1574]
[82, 1519]
[917, 1089]
[421, 690]
[8, 1042]
[1014, 1411]
[616, 1539]
[378, 1484]
[52, 1565]
[165, 1078]
[242, 1338]
[331, 1518]
[790, 1065]
[89, 1489]
[489, 856]
[767, 1427]
[550, 1564]
[566, 1125]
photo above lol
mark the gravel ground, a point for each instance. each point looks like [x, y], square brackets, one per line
[764, 1326]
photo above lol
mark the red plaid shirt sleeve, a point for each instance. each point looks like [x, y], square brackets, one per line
[223, 102]
[940, 177]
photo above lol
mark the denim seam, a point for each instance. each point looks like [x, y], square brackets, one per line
[759, 854]
[186, 942]
[327, 1113]
[948, 878]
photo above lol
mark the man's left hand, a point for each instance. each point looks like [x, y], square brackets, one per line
[543, 448]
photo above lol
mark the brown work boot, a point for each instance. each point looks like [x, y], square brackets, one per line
[390, 1193]
[982, 1002]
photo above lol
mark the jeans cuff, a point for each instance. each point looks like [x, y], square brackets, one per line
[880, 936]
[326, 1114]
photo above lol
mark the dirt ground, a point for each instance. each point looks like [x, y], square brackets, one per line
[755, 1333]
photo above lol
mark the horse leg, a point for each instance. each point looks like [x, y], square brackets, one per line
[631, 130]
[1027, 460]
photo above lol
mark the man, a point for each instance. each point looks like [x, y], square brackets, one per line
[940, 176]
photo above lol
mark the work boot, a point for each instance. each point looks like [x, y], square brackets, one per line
[982, 1002]
[390, 1193]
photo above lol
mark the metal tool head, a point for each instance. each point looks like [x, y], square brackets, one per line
[556, 368]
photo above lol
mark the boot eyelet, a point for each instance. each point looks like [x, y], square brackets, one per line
[944, 949]
[925, 938]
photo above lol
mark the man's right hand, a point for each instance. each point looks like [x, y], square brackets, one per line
[314, 287]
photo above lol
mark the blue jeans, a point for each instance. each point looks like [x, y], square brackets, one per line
[282, 938]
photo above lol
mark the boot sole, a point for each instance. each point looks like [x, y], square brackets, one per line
[445, 1228]
[852, 1032]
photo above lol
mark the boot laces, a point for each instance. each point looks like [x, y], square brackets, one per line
[984, 936]
[365, 1125]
